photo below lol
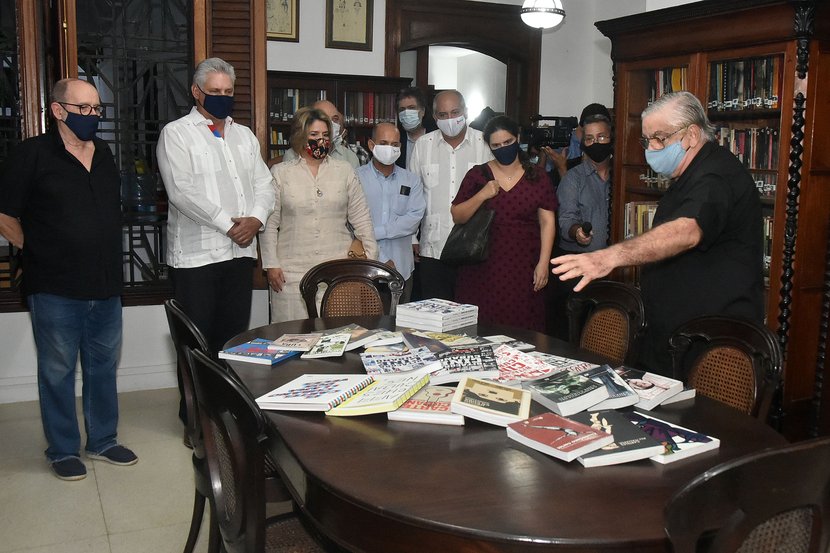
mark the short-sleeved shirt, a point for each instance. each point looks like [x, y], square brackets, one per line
[721, 275]
[71, 218]
[583, 198]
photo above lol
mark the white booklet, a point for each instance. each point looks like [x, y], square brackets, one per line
[329, 345]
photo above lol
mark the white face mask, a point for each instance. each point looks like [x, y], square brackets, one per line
[336, 137]
[452, 127]
[410, 119]
[386, 154]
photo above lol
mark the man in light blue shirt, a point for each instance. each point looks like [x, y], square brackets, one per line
[396, 201]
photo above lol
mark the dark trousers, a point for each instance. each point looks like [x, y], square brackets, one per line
[556, 302]
[437, 279]
[217, 297]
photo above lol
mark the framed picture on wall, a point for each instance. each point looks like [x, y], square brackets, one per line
[283, 20]
[349, 24]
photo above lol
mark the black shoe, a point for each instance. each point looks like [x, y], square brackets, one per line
[117, 455]
[70, 468]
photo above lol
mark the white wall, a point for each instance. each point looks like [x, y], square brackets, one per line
[483, 81]
[147, 357]
[652, 5]
[310, 54]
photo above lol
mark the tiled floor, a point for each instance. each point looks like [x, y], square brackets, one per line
[142, 508]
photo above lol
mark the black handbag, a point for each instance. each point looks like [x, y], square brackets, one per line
[469, 242]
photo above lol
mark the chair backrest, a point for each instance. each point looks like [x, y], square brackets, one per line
[354, 287]
[728, 359]
[607, 318]
[186, 336]
[776, 500]
[234, 435]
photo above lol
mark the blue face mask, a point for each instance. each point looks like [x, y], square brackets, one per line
[83, 126]
[506, 154]
[218, 106]
[665, 161]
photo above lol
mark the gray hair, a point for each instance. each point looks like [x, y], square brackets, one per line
[212, 65]
[460, 97]
[682, 109]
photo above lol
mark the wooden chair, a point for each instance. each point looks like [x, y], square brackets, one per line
[728, 359]
[776, 500]
[187, 336]
[607, 318]
[354, 287]
[235, 441]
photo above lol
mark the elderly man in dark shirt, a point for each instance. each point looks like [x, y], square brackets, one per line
[60, 203]
[704, 253]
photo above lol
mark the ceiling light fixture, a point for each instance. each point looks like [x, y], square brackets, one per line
[543, 14]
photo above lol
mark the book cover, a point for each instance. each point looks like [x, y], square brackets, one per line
[418, 360]
[490, 402]
[653, 389]
[417, 340]
[386, 338]
[329, 345]
[430, 404]
[297, 342]
[566, 393]
[562, 363]
[512, 342]
[558, 436]
[517, 366]
[630, 442]
[314, 392]
[362, 337]
[678, 442]
[258, 351]
[386, 393]
[448, 339]
[474, 361]
[620, 393]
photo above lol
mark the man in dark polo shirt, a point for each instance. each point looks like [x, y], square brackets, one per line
[704, 253]
[60, 203]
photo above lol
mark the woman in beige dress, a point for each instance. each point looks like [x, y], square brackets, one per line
[316, 197]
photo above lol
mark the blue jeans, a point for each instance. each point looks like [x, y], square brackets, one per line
[63, 328]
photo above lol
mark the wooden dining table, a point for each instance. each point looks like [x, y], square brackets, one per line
[374, 485]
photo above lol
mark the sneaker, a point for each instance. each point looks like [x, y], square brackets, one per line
[70, 468]
[117, 455]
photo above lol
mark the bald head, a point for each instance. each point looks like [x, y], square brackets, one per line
[386, 133]
[69, 94]
[329, 109]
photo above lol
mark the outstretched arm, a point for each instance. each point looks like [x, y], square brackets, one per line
[661, 242]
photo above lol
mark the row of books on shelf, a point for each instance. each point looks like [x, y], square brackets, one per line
[639, 217]
[369, 108]
[667, 79]
[756, 147]
[650, 179]
[286, 101]
[745, 84]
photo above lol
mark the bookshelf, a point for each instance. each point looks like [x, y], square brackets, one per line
[364, 101]
[747, 62]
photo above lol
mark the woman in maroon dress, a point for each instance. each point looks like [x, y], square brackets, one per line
[508, 286]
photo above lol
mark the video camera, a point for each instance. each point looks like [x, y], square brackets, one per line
[551, 131]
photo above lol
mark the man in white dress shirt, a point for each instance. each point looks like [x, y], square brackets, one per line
[441, 159]
[220, 193]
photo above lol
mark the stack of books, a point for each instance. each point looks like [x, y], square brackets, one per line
[436, 315]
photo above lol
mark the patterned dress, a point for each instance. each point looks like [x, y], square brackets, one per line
[502, 286]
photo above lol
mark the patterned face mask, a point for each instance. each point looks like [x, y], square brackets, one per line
[319, 148]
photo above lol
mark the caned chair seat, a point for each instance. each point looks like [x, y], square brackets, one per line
[728, 359]
[353, 287]
[773, 501]
[607, 318]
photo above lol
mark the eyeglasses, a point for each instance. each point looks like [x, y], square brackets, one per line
[599, 139]
[645, 141]
[86, 109]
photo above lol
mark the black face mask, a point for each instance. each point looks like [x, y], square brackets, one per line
[598, 152]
